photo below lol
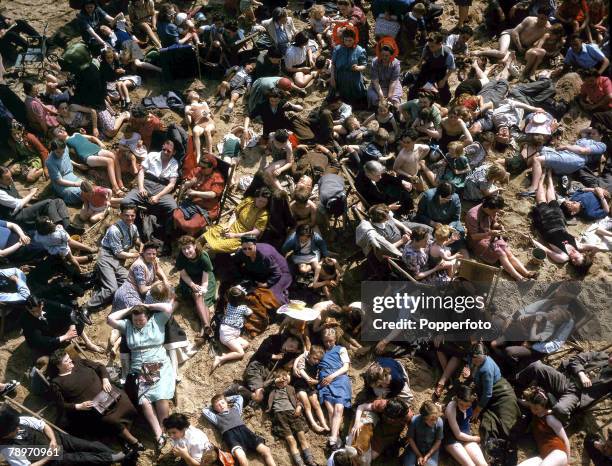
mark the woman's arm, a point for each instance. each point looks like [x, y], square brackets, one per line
[166, 308]
[451, 418]
[114, 318]
[329, 379]
[466, 132]
[557, 427]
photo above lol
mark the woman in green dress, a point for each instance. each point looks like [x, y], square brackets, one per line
[151, 380]
[197, 279]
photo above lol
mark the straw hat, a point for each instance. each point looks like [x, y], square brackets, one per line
[298, 310]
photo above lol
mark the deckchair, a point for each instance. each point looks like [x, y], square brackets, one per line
[480, 274]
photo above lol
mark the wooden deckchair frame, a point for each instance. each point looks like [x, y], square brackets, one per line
[474, 271]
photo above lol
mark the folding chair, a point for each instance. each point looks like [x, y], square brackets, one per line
[227, 170]
[477, 273]
[350, 178]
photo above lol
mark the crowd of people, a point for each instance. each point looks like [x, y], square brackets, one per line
[408, 152]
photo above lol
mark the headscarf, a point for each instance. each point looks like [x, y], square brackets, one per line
[210, 158]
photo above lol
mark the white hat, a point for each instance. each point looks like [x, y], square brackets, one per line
[298, 310]
[180, 18]
[539, 124]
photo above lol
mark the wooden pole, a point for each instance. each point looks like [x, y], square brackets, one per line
[32, 413]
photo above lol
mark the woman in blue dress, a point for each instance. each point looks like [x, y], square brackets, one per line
[335, 385]
[151, 380]
[349, 61]
[458, 439]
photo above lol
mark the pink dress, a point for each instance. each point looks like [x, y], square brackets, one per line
[487, 249]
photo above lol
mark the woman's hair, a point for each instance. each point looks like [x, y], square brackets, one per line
[44, 225]
[9, 420]
[583, 268]
[150, 245]
[281, 135]
[57, 357]
[345, 2]
[493, 202]
[455, 146]
[86, 186]
[496, 172]
[235, 296]
[429, 408]
[419, 234]
[464, 393]
[278, 13]
[487, 136]
[263, 192]
[536, 396]
[301, 194]
[329, 331]
[141, 309]
[192, 95]
[56, 144]
[442, 232]
[378, 213]
[444, 190]
[387, 48]
[160, 292]
[300, 39]
[317, 10]
[303, 230]
[186, 240]
[348, 34]
[375, 373]
[176, 421]
[328, 265]
[557, 29]
[164, 12]
[396, 408]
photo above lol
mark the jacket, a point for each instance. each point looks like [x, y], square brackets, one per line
[318, 244]
[268, 24]
[290, 393]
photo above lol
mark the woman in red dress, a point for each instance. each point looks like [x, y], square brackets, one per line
[202, 196]
[548, 432]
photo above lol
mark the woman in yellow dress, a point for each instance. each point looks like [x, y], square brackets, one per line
[249, 219]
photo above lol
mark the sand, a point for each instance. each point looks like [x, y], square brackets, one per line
[197, 387]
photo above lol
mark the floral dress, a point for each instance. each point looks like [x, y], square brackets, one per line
[418, 260]
[128, 295]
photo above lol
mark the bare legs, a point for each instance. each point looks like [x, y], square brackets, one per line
[107, 159]
[504, 45]
[335, 413]
[237, 347]
[311, 403]
[533, 59]
[155, 414]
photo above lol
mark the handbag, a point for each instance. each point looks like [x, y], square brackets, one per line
[150, 373]
[104, 402]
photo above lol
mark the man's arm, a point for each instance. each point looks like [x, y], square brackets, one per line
[167, 190]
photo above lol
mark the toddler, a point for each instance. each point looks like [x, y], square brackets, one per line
[237, 82]
[443, 236]
[328, 278]
[458, 166]
[385, 120]
[304, 211]
[132, 148]
[96, 201]
[306, 379]
[320, 25]
[231, 326]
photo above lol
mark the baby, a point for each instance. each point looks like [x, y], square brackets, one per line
[306, 379]
[132, 148]
[320, 25]
[199, 119]
[443, 236]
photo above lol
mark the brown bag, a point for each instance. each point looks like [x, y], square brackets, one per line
[261, 301]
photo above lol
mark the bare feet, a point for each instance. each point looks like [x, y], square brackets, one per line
[216, 363]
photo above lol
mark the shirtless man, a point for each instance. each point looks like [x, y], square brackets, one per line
[523, 36]
[411, 159]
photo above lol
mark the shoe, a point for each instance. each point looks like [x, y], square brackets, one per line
[565, 184]
[10, 386]
[84, 316]
[138, 446]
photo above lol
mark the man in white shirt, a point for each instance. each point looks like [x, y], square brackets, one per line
[156, 181]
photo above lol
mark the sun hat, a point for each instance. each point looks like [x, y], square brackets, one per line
[298, 310]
